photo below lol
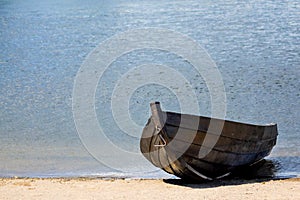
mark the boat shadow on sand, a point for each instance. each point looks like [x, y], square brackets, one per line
[264, 171]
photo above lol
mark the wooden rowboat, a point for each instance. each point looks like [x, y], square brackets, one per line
[203, 148]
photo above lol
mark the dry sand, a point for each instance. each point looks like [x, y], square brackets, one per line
[81, 188]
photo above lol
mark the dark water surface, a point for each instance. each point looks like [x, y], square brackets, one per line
[254, 43]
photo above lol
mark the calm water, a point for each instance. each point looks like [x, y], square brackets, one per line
[255, 44]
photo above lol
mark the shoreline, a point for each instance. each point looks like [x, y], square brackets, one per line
[96, 188]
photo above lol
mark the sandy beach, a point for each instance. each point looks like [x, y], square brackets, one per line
[82, 188]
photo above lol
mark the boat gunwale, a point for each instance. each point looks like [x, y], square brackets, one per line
[224, 120]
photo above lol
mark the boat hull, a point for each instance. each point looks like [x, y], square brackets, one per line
[172, 142]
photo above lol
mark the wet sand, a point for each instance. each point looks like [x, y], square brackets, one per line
[84, 188]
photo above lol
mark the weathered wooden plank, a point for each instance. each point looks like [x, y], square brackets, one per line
[214, 156]
[209, 169]
[164, 162]
[230, 129]
[175, 164]
[223, 143]
[154, 153]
